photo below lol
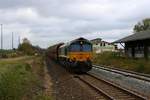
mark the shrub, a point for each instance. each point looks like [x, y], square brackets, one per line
[140, 68]
[15, 83]
[113, 59]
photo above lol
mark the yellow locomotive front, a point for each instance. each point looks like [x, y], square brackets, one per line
[80, 55]
[76, 55]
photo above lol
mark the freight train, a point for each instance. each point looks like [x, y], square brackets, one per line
[75, 55]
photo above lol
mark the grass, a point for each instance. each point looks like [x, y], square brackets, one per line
[21, 79]
[112, 59]
[10, 53]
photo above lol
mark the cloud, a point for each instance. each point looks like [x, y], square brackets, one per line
[46, 22]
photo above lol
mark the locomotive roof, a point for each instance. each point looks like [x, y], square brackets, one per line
[79, 39]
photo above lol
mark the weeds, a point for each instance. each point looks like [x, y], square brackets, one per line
[114, 60]
[18, 81]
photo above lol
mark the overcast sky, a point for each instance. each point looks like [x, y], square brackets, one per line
[46, 22]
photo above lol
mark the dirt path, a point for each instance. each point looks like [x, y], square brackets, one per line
[47, 83]
[15, 59]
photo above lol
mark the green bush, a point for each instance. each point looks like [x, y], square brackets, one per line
[115, 60]
[16, 83]
[140, 68]
[42, 96]
[9, 53]
[26, 48]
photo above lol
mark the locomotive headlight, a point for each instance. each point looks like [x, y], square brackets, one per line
[81, 42]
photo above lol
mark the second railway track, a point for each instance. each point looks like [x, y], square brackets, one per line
[108, 90]
[136, 75]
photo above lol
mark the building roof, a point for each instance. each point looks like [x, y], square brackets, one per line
[97, 40]
[136, 36]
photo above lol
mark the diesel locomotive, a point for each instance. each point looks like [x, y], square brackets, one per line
[75, 55]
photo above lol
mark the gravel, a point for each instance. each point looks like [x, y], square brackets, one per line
[65, 86]
[134, 84]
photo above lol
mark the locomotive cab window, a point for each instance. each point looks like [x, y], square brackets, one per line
[80, 46]
[86, 47]
[74, 47]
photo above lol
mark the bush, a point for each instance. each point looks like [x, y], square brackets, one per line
[26, 48]
[16, 83]
[140, 68]
[41, 96]
[113, 59]
[9, 53]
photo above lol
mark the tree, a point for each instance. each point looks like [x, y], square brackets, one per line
[142, 26]
[26, 48]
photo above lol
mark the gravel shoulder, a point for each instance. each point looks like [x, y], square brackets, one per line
[134, 84]
[47, 83]
[65, 86]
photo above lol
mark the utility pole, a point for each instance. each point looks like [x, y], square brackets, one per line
[1, 36]
[12, 40]
[18, 41]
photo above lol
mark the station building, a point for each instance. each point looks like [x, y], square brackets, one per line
[137, 45]
[100, 46]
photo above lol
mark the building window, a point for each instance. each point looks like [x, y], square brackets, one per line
[139, 51]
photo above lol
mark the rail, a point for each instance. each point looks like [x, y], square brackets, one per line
[139, 96]
[141, 76]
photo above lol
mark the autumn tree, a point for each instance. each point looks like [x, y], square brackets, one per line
[26, 47]
[143, 25]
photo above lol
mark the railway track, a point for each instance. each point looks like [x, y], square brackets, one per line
[108, 90]
[140, 76]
